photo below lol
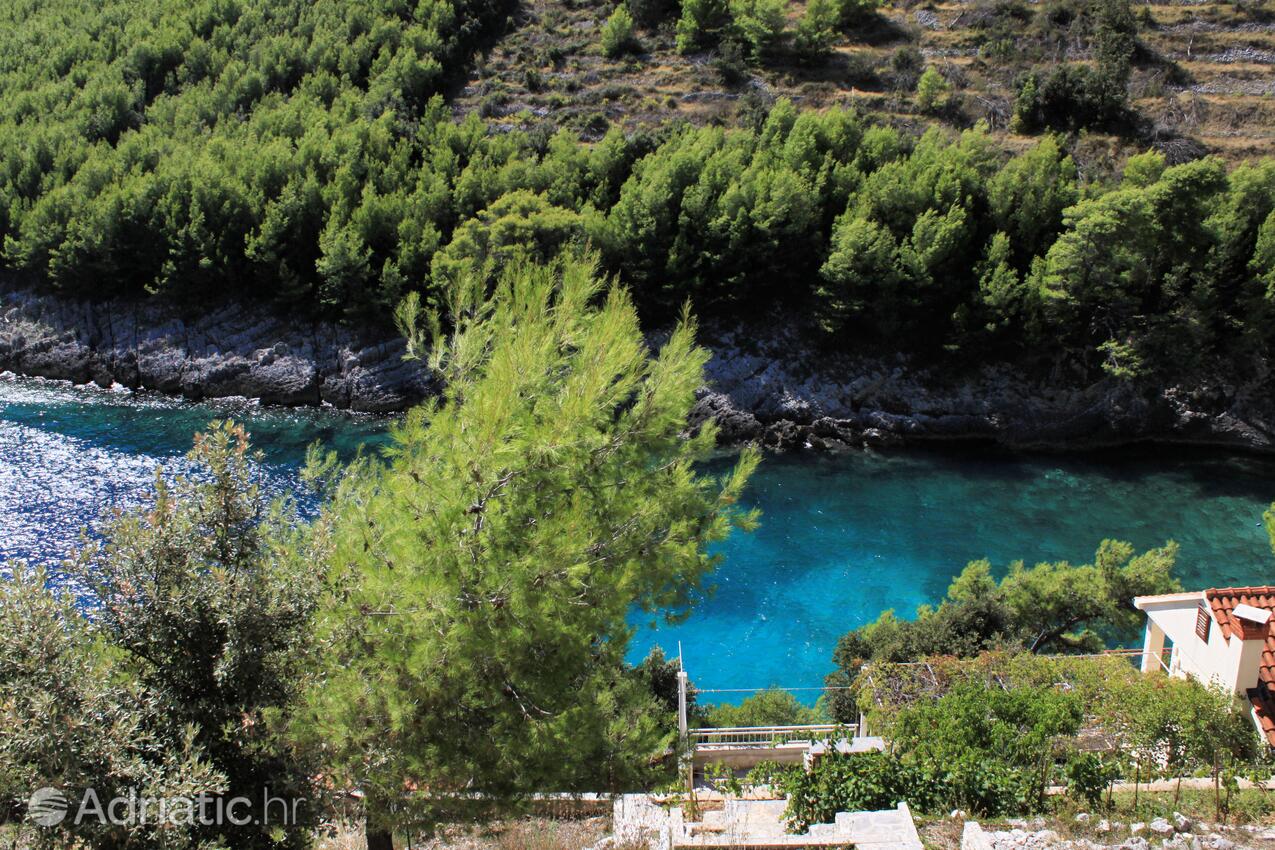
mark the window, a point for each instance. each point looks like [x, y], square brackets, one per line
[1203, 620]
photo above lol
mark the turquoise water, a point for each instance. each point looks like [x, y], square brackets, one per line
[67, 454]
[845, 537]
[842, 538]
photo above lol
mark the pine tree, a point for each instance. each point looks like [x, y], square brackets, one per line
[484, 573]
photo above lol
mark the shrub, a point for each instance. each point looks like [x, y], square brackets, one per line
[701, 24]
[759, 23]
[209, 592]
[772, 707]
[1087, 777]
[75, 718]
[184, 678]
[1069, 97]
[731, 63]
[852, 12]
[905, 67]
[816, 30]
[651, 13]
[850, 783]
[933, 92]
[617, 33]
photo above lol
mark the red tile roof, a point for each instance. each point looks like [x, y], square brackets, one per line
[1223, 601]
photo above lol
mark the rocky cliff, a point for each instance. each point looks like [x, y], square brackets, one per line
[236, 350]
[765, 385]
[773, 389]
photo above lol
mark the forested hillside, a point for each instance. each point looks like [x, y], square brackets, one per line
[329, 158]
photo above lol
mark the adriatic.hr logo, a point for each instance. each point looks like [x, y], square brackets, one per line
[47, 807]
[50, 807]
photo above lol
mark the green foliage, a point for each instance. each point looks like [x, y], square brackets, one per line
[183, 681]
[184, 147]
[483, 574]
[759, 24]
[1000, 286]
[817, 30]
[1087, 777]
[518, 225]
[976, 748]
[988, 734]
[854, 12]
[990, 741]
[1268, 522]
[617, 33]
[905, 241]
[852, 783]
[76, 718]
[933, 92]
[771, 707]
[1027, 197]
[209, 592]
[660, 677]
[1263, 263]
[906, 64]
[1115, 39]
[1146, 294]
[1069, 97]
[863, 265]
[299, 154]
[701, 23]
[1051, 607]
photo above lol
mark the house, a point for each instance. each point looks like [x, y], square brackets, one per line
[1222, 637]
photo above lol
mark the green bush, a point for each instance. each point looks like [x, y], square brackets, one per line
[759, 24]
[817, 30]
[651, 13]
[617, 33]
[1041, 609]
[978, 748]
[701, 23]
[1087, 777]
[933, 92]
[857, 782]
[771, 707]
[906, 64]
[1069, 97]
[184, 681]
[853, 12]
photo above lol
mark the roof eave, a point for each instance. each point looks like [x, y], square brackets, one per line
[1191, 596]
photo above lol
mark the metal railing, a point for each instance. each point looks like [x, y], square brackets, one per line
[1137, 656]
[769, 736]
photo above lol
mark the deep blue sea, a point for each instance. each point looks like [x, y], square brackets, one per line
[843, 537]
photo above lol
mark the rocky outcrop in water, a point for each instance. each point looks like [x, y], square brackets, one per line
[767, 385]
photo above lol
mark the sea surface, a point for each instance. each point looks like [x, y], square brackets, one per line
[843, 537]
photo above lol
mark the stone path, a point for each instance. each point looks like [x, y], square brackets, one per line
[757, 824]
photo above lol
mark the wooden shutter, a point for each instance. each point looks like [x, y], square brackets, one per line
[1203, 620]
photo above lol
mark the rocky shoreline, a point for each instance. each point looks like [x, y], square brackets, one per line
[765, 384]
[236, 350]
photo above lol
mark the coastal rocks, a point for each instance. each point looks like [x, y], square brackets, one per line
[233, 351]
[774, 385]
[768, 384]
